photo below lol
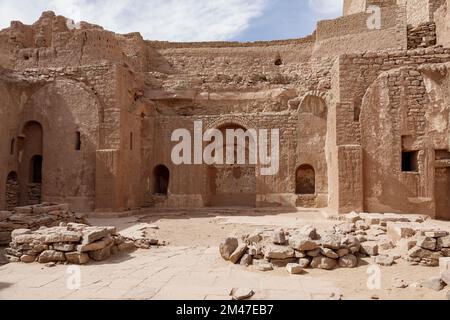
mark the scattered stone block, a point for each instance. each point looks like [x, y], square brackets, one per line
[101, 255]
[92, 234]
[64, 247]
[262, 265]
[369, 248]
[228, 247]
[309, 231]
[384, 260]
[348, 261]
[238, 253]
[18, 232]
[329, 253]
[331, 241]
[398, 231]
[304, 262]
[51, 256]
[279, 237]
[313, 253]
[242, 294]
[62, 236]
[345, 228]
[427, 243]
[436, 234]
[97, 245]
[246, 260]
[77, 257]
[27, 258]
[352, 217]
[278, 252]
[282, 263]
[302, 243]
[294, 268]
[127, 246]
[362, 225]
[323, 263]
[343, 252]
[254, 238]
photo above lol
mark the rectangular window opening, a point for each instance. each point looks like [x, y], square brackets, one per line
[78, 141]
[410, 161]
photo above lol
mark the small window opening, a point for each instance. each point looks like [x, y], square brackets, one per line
[12, 147]
[78, 141]
[131, 140]
[410, 161]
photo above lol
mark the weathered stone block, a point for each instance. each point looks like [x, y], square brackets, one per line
[302, 243]
[427, 243]
[97, 245]
[51, 256]
[28, 258]
[92, 234]
[323, 263]
[228, 247]
[238, 253]
[101, 255]
[348, 261]
[279, 237]
[369, 248]
[77, 257]
[397, 231]
[294, 268]
[278, 252]
[64, 247]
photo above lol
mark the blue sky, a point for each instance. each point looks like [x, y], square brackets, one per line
[186, 20]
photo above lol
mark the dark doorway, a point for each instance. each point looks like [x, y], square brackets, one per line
[305, 180]
[36, 169]
[162, 177]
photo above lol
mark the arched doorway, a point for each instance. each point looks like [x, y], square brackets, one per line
[161, 180]
[233, 185]
[31, 164]
[12, 191]
[305, 180]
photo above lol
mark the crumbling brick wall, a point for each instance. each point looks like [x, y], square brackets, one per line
[422, 36]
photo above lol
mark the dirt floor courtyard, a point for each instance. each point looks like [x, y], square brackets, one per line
[189, 266]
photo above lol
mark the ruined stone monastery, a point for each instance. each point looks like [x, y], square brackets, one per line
[86, 115]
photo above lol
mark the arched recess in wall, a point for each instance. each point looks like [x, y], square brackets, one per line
[161, 175]
[67, 110]
[233, 183]
[12, 190]
[312, 146]
[31, 162]
[305, 180]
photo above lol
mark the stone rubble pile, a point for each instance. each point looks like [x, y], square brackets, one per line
[420, 245]
[360, 235]
[34, 217]
[70, 243]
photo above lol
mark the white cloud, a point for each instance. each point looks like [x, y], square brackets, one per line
[327, 7]
[174, 20]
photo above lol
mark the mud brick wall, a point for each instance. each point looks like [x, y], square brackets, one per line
[422, 36]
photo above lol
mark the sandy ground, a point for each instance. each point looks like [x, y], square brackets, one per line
[190, 266]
